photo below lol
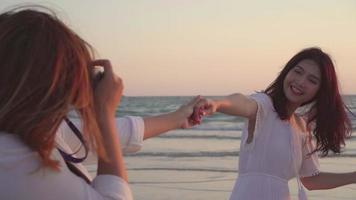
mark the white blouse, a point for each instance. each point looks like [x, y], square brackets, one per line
[22, 178]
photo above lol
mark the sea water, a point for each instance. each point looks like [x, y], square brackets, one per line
[201, 162]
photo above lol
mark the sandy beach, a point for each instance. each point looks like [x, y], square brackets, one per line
[167, 170]
[207, 185]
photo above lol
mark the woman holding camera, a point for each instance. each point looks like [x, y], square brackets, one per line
[45, 73]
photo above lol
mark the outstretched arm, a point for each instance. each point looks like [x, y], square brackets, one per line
[156, 125]
[326, 180]
[133, 130]
[234, 104]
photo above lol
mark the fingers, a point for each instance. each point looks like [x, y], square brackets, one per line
[106, 64]
[194, 101]
[207, 105]
[202, 103]
[197, 112]
[108, 70]
[109, 88]
[197, 116]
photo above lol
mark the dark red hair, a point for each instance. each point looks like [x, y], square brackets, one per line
[326, 117]
[43, 74]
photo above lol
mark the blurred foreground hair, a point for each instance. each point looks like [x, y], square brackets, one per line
[44, 74]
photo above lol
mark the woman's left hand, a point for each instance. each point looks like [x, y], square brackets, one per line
[181, 118]
[189, 114]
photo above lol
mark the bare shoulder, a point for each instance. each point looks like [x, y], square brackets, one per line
[238, 104]
[249, 105]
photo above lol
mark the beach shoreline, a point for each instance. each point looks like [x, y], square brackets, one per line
[163, 170]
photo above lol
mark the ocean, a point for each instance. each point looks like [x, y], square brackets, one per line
[148, 106]
[201, 162]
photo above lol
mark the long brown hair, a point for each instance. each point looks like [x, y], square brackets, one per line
[327, 116]
[44, 72]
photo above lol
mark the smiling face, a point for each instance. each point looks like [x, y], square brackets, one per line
[302, 83]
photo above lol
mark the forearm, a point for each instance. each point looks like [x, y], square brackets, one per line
[237, 104]
[111, 143]
[326, 180]
[156, 125]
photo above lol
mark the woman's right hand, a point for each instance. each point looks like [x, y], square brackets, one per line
[209, 106]
[108, 91]
[107, 96]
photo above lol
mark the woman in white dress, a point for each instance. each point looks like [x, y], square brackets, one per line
[276, 143]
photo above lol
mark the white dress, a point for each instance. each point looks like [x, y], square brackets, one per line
[277, 153]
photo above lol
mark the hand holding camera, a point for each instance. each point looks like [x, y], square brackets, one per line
[97, 74]
[107, 86]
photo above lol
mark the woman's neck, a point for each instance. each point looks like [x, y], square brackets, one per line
[291, 108]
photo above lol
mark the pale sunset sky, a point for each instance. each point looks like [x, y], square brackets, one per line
[210, 47]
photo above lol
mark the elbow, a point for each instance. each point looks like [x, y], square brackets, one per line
[309, 184]
[309, 187]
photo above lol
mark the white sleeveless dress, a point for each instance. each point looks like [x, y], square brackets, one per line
[277, 153]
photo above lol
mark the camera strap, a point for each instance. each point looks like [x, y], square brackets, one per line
[70, 159]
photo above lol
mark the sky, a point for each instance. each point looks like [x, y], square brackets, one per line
[210, 47]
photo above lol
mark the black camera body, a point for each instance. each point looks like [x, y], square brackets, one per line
[97, 74]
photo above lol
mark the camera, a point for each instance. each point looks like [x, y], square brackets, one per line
[97, 74]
